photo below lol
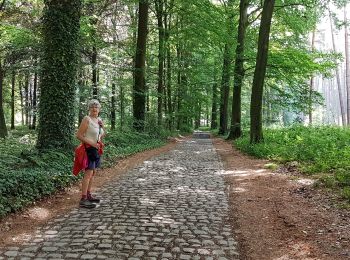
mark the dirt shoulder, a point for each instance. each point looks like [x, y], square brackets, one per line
[281, 216]
[17, 226]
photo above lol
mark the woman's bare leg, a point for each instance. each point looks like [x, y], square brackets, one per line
[86, 182]
[91, 180]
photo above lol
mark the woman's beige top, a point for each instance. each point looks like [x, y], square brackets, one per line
[92, 132]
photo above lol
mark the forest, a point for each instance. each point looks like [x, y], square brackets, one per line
[272, 75]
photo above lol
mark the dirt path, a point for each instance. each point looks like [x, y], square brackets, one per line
[280, 216]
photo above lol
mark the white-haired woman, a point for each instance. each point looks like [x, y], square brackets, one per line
[90, 133]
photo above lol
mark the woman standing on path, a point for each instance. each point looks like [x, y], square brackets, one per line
[90, 133]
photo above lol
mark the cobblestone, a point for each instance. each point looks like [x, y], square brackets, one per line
[173, 206]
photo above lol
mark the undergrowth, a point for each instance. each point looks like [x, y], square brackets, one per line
[321, 150]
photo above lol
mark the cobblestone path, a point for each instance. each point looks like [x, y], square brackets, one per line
[171, 207]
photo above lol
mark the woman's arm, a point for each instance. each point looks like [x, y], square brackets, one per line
[100, 122]
[82, 130]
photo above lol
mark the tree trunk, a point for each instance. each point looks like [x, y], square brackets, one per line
[122, 106]
[94, 72]
[225, 89]
[347, 66]
[35, 110]
[236, 131]
[61, 24]
[26, 98]
[256, 134]
[113, 107]
[21, 97]
[161, 36]
[178, 90]
[197, 122]
[214, 109]
[312, 79]
[13, 112]
[340, 93]
[168, 87]
[226, 70]
[140, 58]
[3, 128]
[167, 24]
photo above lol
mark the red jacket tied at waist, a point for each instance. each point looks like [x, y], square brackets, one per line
[80, 159]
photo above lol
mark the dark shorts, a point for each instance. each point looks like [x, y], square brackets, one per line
[94, 159]
[92, 165]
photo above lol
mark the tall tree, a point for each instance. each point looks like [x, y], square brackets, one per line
[139, 91]
[13, 85]
[225, 89]
[235, 130]
[59, 65]
[113, 107]
[312, 78]
[35, 89]
[226, 70]
[256, 134]
[340, 93]
[3, 128]
[347, 65]
[159, 5]
[214, 108]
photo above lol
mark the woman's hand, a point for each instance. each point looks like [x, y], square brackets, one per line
[96, 145]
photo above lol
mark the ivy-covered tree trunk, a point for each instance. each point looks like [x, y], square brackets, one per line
[139, 93]
[59, 65]
[3, 128]
[13, 85]
[235, 130]
[256, 134]
[81, 87]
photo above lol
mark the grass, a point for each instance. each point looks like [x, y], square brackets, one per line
[324, 150]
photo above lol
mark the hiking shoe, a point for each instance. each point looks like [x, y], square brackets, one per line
[86, 204]
[92, 199]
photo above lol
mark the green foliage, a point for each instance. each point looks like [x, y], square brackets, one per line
[318, 150]
[27, 175]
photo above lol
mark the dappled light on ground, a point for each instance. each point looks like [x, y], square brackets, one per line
[38, 213]
[244, 173]
[306, 181]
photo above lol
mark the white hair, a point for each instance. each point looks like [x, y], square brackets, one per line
[94, 102]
